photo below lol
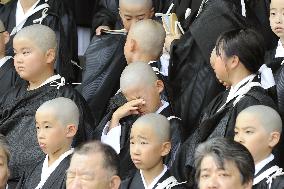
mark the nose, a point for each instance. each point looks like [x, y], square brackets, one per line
[40, 134]
[279, 18]
[135, 149]
[75, 184]
[212, 183]
[238, 138]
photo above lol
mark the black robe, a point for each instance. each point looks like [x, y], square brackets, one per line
[126, 165]
[8, 77]
[61, 20]
[215, 124]
[56, 180]
[277, 183]
[17, 123]
[135, 182]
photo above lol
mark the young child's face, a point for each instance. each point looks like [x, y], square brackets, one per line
[277, 17]
[150, 94]
[4, 170]
[250, 133]
[29, 60]
[218, 64]
[51, 134]
[145, 147]
[133, 13]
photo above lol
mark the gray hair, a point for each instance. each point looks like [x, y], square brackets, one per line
[223, 149]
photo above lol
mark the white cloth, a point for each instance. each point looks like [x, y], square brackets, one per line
[53, 78]
[264, 162]
[84, 36]
[155, 181]
[165, 59]
[112, 136]
[4, 59]
[266, 76]
[21, 15]
[279, 50]
[47, 170]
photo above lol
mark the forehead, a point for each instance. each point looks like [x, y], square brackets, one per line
[210, 163]
[140, 89]
[3, 155]
[143, 129]
[86, 162]
[247, 119]
[277, 4]
[134, 9]
[48, 114]
[21, 43]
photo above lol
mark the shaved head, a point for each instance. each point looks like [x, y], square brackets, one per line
[42, 36]
[269, 118]
[149, 35]
[137, 74]
[144, 3]
[2, 27]
[158, 123]
[65, 110]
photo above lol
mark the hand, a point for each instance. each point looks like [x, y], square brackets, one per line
[100, 28]
[127, 109]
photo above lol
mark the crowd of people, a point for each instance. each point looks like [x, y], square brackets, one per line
[103, 95]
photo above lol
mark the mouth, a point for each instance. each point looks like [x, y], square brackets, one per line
[136, 161]
[278, 29]
[20, 68]
[42, 145]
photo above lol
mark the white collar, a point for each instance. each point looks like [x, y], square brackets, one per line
[155, 181]
[4, 59]
[46, 171]
[51, 79]
[20, 14]
[262, 163]
[279, 50]
[164, 105]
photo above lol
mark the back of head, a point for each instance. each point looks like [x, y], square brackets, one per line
[223, 149]
[269, 118]
[137, 74]
[246, 44]
[110, 157]
[150, 37]
[42, 36]
[158, 123]
[65, 110]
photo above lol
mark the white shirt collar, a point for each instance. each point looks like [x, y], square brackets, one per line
[279, 50]
[155, 181]
[50, 79]
[47, 170]
[264, 162]
[20, 14]
[164, 105]
[4, 59]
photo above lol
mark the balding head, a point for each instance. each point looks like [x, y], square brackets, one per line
[149, 36]
[145, 3]
[137, 74]
[42, 36]
[159, 124]
[269, 119]
[65, 110]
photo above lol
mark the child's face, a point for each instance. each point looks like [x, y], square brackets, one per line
[51, 134]
[4, 170]
[133, 13]
[150, 94]
[277, 17]
[250, 133]
[29, 60]
[146, 149]
[218, 64]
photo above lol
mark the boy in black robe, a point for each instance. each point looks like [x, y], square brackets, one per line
[140, 94]
[56, 128]
[150, 142]
[8, 74]
[54, 14]
[259, 128]
[35, 50]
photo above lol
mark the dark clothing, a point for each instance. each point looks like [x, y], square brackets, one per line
[215, 124]
[56, 180]
[135, 182]
[17, 123]
[126, 165]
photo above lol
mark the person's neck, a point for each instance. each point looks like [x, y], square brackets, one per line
[239, 76]
[52, 157]
[151, 174]
[143, 58]
[34, 84]
[27, 4]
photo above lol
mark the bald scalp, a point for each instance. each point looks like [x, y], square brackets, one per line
[137, 74]
[2, 27]
[42, 36]
[158, 123]
[65, 110]
[145, 3]
[269, 118]
[150, 36]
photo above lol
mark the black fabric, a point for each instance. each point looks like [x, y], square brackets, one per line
[126, 165]
[56, 180]
[215, 124]
[105, 62]
[61, 20]
[17, 110]
[277, 183]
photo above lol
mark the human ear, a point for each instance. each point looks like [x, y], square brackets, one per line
[50, 56]
[115, 182]
[160, 85]
[166, 148]
[248, 185]
[71, 131]
[234, 62]
[6, 37]
[274, 139]
[152, 12]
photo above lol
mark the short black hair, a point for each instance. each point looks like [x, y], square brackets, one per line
[110, 157]
[247, 44]
[222, 149]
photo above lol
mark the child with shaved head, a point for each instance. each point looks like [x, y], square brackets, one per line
[259, 128]
[150, 142]
[140, 95]
[56, 127]
[35, 52]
